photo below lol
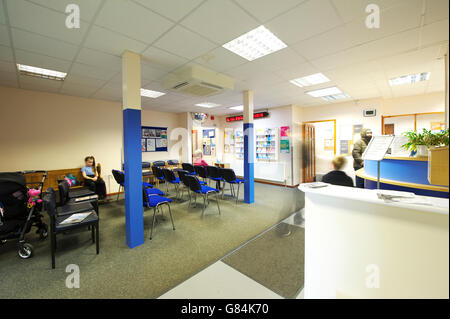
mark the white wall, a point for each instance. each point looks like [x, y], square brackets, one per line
[51, 131]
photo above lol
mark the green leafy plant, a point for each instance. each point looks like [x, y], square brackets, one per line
[427, 138]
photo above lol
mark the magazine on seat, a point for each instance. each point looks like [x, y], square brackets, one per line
[76, 218]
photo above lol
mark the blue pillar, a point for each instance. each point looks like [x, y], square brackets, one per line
[249, 155]
[131, 86]
[134, 218]
[249, 149]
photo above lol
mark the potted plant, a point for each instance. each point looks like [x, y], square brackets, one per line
[419, 143]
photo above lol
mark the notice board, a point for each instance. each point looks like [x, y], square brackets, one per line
[154, 139]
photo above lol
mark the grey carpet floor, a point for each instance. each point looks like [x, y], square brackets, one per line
[275, 259]
[153, 268]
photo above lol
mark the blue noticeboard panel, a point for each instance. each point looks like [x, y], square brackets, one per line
[154, 139]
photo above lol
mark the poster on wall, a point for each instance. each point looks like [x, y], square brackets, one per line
[357, 128]
[344, 148]
[154, 139]
[328, 144]
[285, 131]
[437, 126]
[284, 146]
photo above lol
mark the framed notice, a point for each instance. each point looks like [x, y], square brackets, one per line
[377, 148]
[154, 139]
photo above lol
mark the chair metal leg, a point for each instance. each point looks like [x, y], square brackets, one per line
[204, 204]
[217, 200]
[97, 238]
[53, 248]
[153, 222]
[223, 190]
[237, 197]
[118, 193]
[171, 218]
[93, 234]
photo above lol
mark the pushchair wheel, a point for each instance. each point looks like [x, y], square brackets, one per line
[25, 251]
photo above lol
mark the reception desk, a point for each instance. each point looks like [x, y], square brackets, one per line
[409, 174]
[358, 246]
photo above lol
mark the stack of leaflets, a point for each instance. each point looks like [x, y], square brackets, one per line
[80, 199]
[76, 218]
[316, 185]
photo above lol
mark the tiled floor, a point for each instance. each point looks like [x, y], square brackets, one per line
[220, 281]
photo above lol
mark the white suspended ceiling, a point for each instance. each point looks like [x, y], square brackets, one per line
[327, 36]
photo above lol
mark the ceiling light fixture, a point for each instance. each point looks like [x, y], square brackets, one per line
[41, 73]
[324, 92]
[207, 104]
[150, 93]
[237, 108]
[335, 97]
[255, 44]
[309, 80]
[410, 79]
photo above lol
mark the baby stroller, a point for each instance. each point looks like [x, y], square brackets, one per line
[19, 211]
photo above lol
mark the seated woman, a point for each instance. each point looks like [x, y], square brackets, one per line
[91, 178]
[198, 155]
[338, 177]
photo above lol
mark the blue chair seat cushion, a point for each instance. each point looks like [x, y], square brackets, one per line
[202, 182]
[176, 181]
[237, 181]
[155, 200]
[216, 179]
[154, 191]
[207, 189]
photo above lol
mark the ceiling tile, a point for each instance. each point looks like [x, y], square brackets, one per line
[4, 36]
[279, 60]
[150, 73]
[436, 10]
[435, 33]
[110, 92]
[90, 71]
[353, 9]
[78, 89]
[2, 13]
[220, 60]
[88, 8]
[73, 80]
[43, 45]
[7, 67]
[185, 43]
[297, 71]
[306, 20]
[31, 17]
[265, 10]
[8, 79]
[220, 21]
[110, 42]
[41, 61]
[132, 20]
[174, 10]
[162, 60]
[100, 59]
[6, 54]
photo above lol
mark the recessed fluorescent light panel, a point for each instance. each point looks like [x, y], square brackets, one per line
[237, 108]
[152, 94]
[41, 73]
[409, 79]
[255, 44]
[207, 105]
[325, 92]
[335, 97]
[309, 80]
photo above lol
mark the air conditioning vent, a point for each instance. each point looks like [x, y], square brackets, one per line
[198, 81]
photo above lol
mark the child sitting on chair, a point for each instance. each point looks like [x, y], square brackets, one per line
[92, 179]
[198, 155]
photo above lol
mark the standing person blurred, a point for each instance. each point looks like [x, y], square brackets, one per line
[358, 150]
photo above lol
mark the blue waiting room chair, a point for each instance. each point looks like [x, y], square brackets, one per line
[120, 179]
[230, 177]
[170, 178]
[197, 188]
[215, 174]
[188, 167]
[155, 201]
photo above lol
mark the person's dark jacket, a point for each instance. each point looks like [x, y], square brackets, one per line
[338, 178]
[359, 148]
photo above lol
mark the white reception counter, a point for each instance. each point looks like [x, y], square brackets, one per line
[358, 246]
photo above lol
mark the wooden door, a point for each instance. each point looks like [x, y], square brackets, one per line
[308, 153]
[388, 129]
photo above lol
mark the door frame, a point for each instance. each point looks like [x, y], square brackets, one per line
[321, 121]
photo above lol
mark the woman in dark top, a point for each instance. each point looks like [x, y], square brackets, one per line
[338, 177]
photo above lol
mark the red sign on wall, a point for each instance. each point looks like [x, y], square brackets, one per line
[257, 115]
